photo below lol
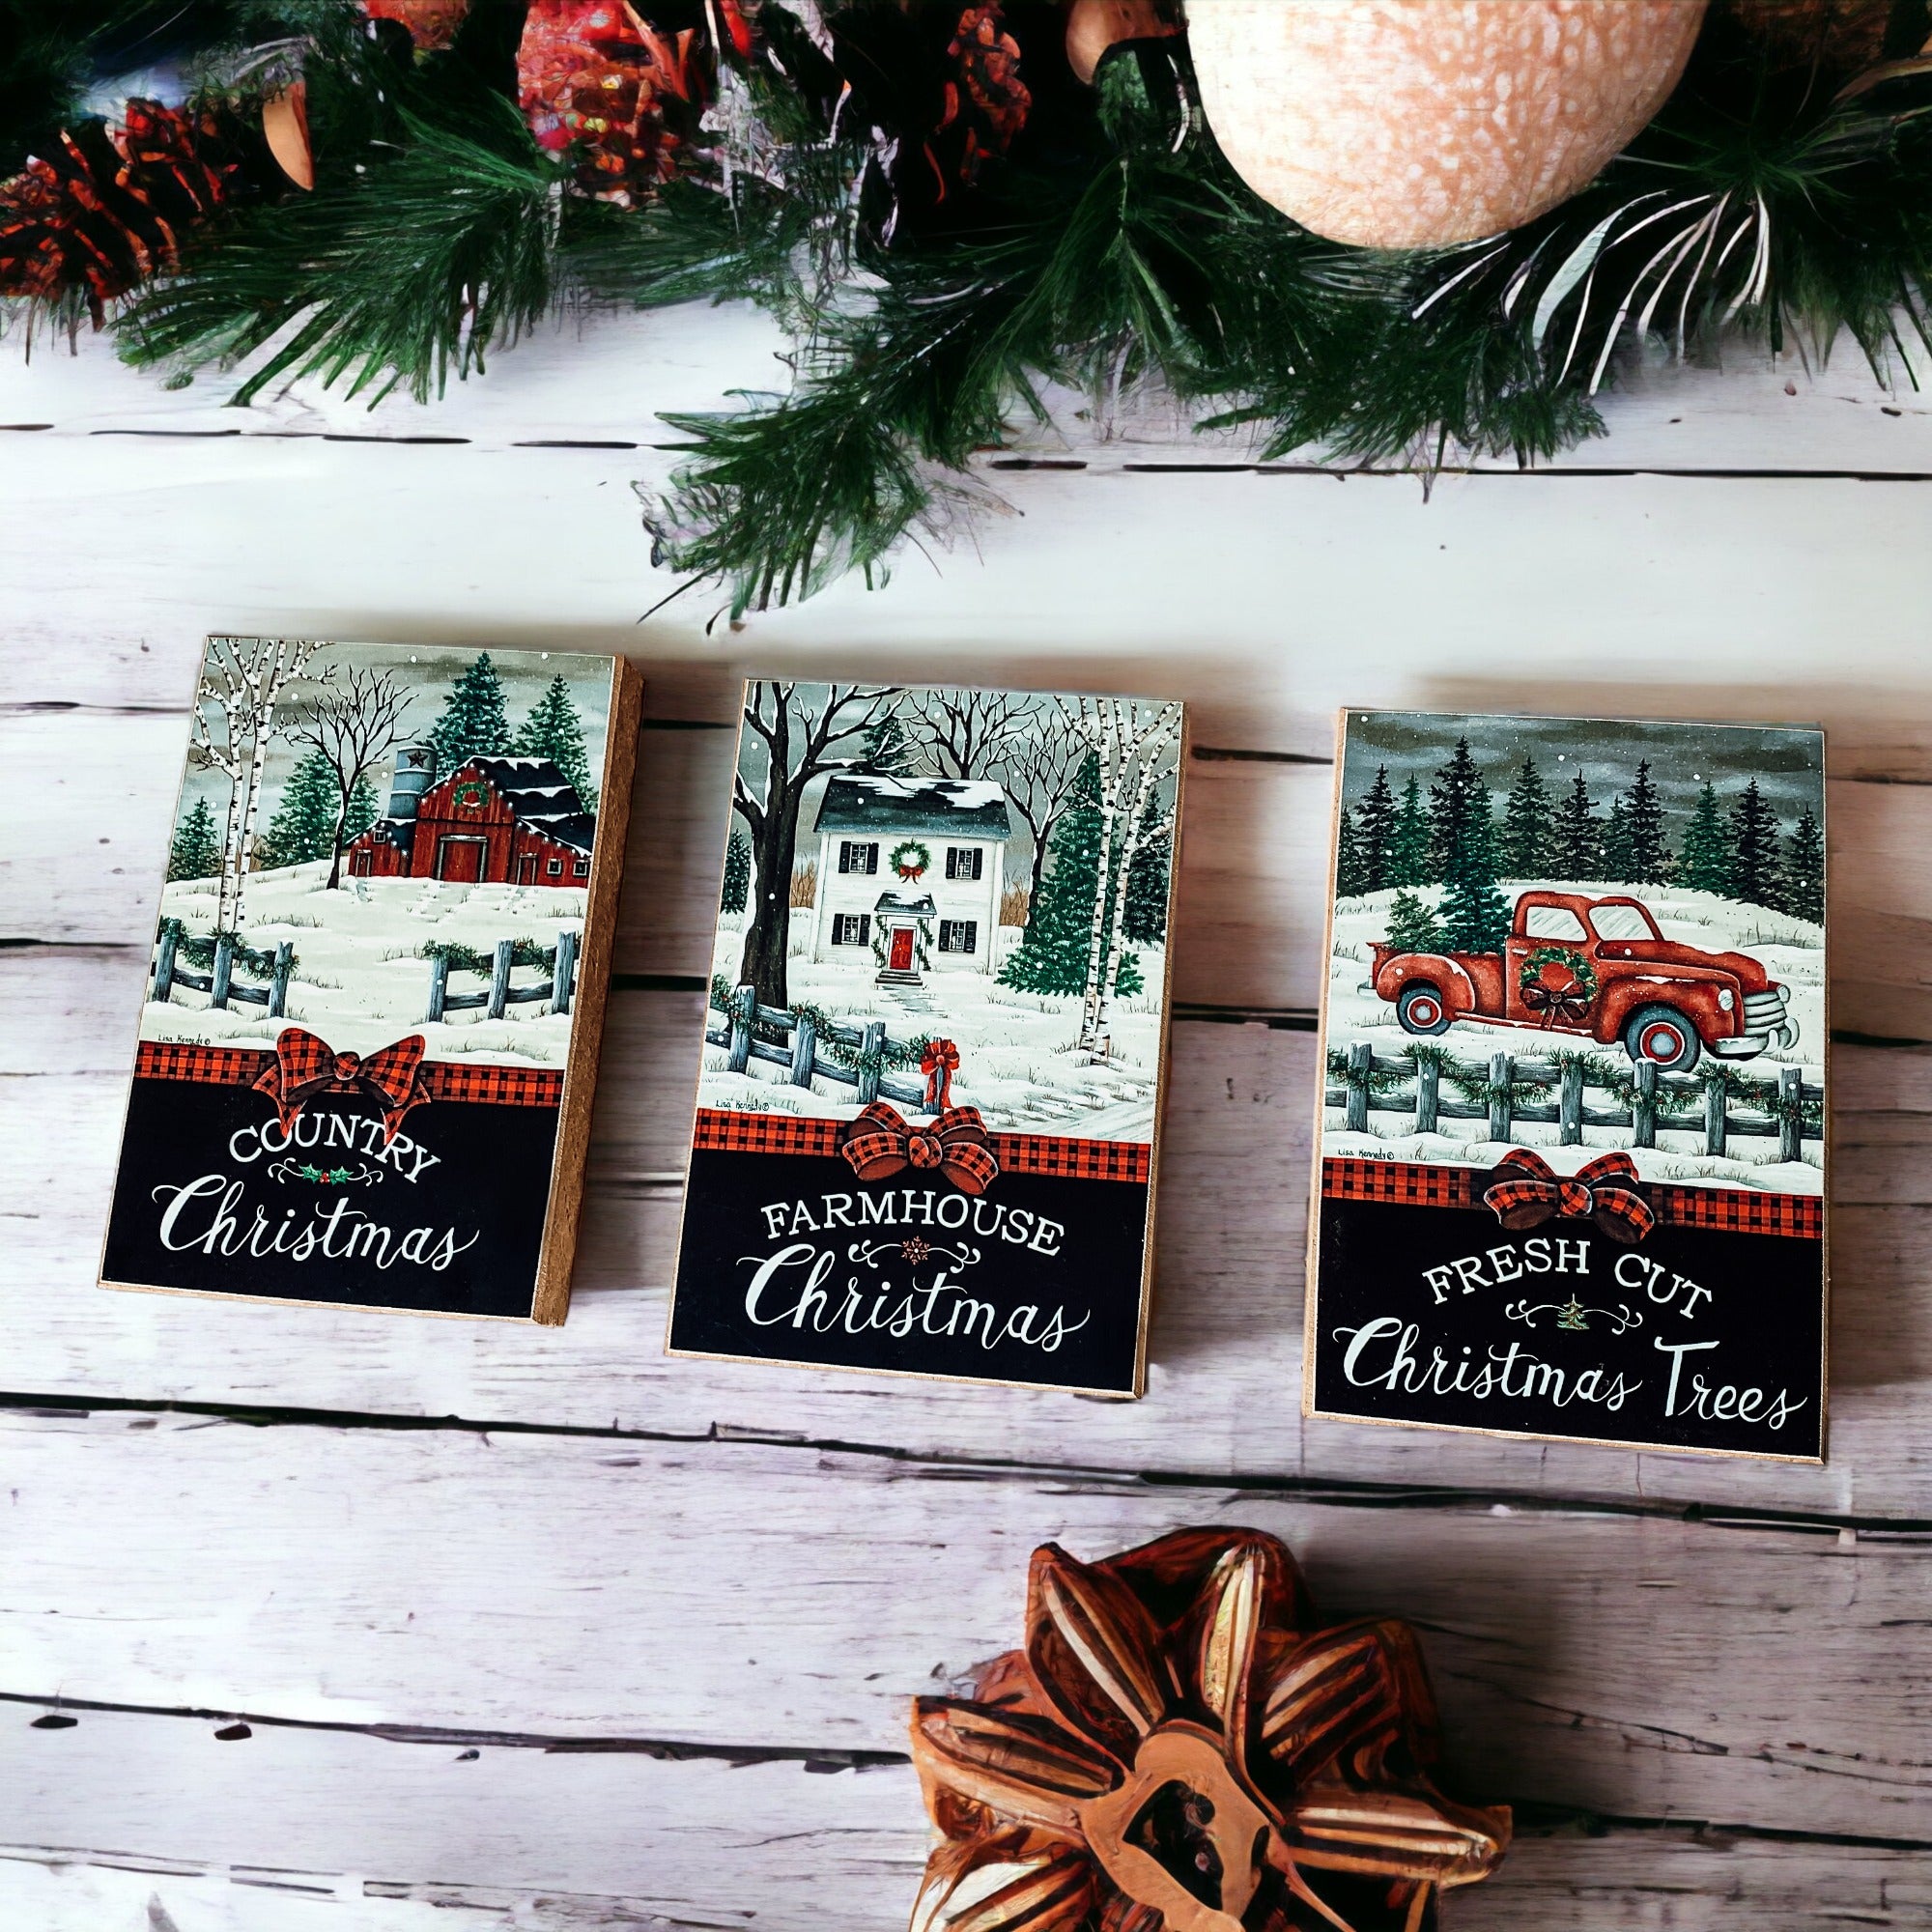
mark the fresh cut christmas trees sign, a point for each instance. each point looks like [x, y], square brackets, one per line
[1571, 1148]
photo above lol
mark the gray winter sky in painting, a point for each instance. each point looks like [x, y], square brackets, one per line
[432, 670]
[1041, 710]
[1786, 760]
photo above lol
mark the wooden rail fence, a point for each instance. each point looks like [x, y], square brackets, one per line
[558, 989]
[802, 1057]
[1377, 1083]
[220, 982]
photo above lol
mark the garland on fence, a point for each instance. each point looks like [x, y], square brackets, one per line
[938, 209]
[197, 949]
[832, 1034]
[464, 958]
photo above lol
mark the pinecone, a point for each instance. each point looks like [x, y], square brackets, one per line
[108, 209]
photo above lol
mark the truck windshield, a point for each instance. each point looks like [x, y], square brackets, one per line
[1622, 922]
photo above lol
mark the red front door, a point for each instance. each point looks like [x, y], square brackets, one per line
[460, 858]
[901, 955]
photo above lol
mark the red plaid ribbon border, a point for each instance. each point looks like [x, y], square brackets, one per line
[724, 1132]
[1735, 1210]
[441, 1079]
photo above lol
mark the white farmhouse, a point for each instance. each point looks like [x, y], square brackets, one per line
[910, 873]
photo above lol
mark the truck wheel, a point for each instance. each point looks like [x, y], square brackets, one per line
[1423, 1010]
[1662, 1034]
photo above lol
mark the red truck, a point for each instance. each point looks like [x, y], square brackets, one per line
[1599, 967]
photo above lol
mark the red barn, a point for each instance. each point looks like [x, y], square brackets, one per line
[492, 821]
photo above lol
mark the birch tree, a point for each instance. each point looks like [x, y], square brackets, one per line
[234, 721]
[1130, 742]
[350, 726]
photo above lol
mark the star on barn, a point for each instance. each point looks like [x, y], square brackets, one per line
[492, 821]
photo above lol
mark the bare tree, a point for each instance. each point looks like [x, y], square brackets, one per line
[242, 680]
[998, 734]
[801, 744]
[350, 726]
[1130, 741]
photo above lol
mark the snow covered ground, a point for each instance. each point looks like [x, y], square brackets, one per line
[1791, 949]
[1019, 1063]
[359, 980]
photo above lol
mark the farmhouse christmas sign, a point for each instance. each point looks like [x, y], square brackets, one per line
[1571, 1148]
[370, 1030]
[932, 1057]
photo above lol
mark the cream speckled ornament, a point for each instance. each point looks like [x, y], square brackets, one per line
[1408, 124]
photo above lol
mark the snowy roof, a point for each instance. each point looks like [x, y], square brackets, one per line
[541, 797]
[399, 832]
[908, 905]
[877, 802]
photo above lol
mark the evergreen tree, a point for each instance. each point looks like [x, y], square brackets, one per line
[1145, 921]
[1648, 857]
[737, 874]
[1579, 835]
[472, 724]
[360, 814]
[196, 851]
[1412, 925]
[554, 730]
[1376, 820]
[1527, 834]
[1473, 916]
[1351, 876]
[1805, 868]
[1409, 844]
[889, 748]
[1617, 856]
[303, 827]
[1754, 868]
[1052, 956]
[1704, 860]
[1459, 802]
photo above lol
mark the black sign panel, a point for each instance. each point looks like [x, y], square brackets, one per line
[1694, 1338]
[786, 1258]
[447, 1216]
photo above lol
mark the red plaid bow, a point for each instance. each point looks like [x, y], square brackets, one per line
[939, 1065]
[1604, 1190]
[882, 1141]
[305, 1065]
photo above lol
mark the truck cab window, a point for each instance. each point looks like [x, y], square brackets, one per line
[1551, 922]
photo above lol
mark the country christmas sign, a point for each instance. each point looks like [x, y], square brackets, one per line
[1570, 1165]
[932, 1059]
[369, 1036]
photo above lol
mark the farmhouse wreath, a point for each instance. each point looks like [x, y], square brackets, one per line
[909, 859]
[1565, 1000]
[948, 211]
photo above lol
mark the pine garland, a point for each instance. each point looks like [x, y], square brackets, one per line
[941, 253]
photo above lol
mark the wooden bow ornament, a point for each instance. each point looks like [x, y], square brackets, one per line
[305, 1067]
[1179, 1745]
[882, 1142]
[1529, 1191]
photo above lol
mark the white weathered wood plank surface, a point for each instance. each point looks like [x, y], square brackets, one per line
[766, 1564]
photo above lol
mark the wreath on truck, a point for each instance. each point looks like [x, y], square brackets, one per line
[1559, 1001]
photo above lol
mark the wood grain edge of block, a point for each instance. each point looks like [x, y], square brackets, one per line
[550, 1303]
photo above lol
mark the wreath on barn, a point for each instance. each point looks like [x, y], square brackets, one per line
[909, 859]
[1563, 1001]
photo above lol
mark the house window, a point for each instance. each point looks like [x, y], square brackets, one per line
[958, 935]
[965, 862]
[553, 867]
[579, 869]
[852, 928]
[857, 857]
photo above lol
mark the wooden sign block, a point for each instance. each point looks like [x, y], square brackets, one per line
[933, 1062]
[1570, 1163]
[369, 1039]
